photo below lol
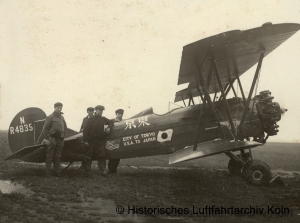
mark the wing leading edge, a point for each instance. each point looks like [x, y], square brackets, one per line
[209, 149]
[234, 52]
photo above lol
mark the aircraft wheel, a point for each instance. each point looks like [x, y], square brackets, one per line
[234, 167]
[257, 173]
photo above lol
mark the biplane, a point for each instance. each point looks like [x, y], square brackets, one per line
[217, 124]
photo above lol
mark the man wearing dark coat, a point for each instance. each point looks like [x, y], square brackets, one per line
[113, 163]
[94, 134]
[90, 112]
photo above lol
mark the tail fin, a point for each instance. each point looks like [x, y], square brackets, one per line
[26, 129]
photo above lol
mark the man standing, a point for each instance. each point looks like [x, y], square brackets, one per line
[55, 128]
[90, 112]
[113, 163]
[94, 134]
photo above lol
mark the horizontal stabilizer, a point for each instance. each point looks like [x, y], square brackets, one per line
[208, 149]
[25, 151]
[70, 132]
[74, 137]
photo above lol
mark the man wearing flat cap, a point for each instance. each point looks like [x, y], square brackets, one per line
[94, 134]
[55, 128]
[113, 163]
[90, 112]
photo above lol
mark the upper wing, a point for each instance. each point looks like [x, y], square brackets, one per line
[234, 52]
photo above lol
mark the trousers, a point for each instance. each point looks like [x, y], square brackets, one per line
[96, 147]
[53, 154]
[113, 165]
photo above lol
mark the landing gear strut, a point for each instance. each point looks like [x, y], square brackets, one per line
[234, 167]
[254, 171]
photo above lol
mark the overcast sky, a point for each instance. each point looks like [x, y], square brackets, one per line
[126, 54]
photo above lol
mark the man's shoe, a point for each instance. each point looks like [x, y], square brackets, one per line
[113, 172]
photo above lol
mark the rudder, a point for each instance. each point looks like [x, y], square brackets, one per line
[26, 128]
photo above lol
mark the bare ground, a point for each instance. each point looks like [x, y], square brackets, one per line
[152, 183]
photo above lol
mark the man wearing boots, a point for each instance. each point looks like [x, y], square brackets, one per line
[55, 128]
[113, 163]
[94, 134]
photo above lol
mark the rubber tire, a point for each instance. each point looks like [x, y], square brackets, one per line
[259, 169]
[234, 167]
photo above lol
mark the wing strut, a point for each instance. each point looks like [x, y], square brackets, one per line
[252, 87]
[224, 99]
[200, 93]
[226, 90]
[200, 81]
[215, 97]
[191, 100]
[183, 101]
[232, 87]
[241, 87]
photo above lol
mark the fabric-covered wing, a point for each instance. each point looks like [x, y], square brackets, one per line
[234, 52]
[24, 151]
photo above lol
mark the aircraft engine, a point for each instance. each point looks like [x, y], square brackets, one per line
[269, 112]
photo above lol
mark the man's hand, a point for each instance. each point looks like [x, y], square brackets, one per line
[107, 130]
[46, 141]
[86, 143]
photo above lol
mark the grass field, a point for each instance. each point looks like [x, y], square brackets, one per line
[151, 182]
